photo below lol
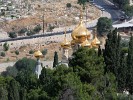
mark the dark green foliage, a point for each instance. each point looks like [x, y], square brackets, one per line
[31, 51]
[3, 93]
[12, 34]
[128, 10]
[3, 54]
[26, 64]
[30, 32]
[27, 79]
[68, 5]
[17, 52]
[10, 71]
[37, 28]
[51, 27]
[26, 76]
[23, 94]
[82, 2]
[22, 31]
[104, 25]
[6, 46]
[122, 73]
[124, 50]
[13, 90]
[129, 74]
[86, 58]
[99, 51]
[112, 53]
[92, 72]
[44, 52]
[55, 63]
[124, 43]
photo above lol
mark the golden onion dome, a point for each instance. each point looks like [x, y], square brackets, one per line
[95, 42]
[86, 43]
[38, 54]
[80, 33]
[65, 44]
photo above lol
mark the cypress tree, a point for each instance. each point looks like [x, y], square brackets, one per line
[99, 51]
[13, 91]
[122, 73]
[23, 94]
[3, 93]
[55, 63]
[112, 53]
[129, 79]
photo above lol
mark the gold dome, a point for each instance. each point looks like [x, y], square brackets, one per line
[65, 44]
[38, 54]
[80, 32]
[95, 42]
[86, 43]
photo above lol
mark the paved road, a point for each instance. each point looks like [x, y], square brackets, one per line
[110, 8]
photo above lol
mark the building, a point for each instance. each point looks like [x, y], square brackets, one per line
[81, 37]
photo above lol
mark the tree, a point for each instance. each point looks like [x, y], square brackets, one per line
[55, 63]
[17, 52]
[22, 31]
[37, 29]
[112, 52]
[128, 10]
[3, 54]
[68, 5]
[104, 25]
[10, 71]
[99, 51]
[13, 90]
[30, 32]
[31, 51]
[12, 34]
[44, 52]
[26, 64]
[6, 46]
[23, 94]
[130, 66]
[83, 57]
[90, 68]
[82, 2]
[122, 73]
[3, 93]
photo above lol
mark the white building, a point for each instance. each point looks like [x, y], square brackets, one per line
[131, 2]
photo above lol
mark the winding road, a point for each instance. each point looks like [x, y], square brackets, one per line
[110, 8]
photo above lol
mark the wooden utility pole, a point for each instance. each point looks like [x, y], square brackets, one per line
[43, 20]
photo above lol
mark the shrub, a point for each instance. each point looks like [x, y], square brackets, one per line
[12, 34]
[31, 51]
[22, 31]
[17, 52]
[68, 5]
[6, 46]
[30, 32]
[3, 54]
[37, 28]
[44, 52]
